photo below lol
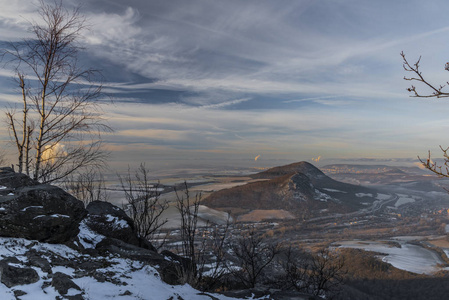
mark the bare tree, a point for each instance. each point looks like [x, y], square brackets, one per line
[57, 131]
[204, 247]
[212, 257]
[253, 254]
[436, 91]
[295, 266]
[143, 202]
[326, 273]
[321, 273]
[88, 186]
[188, 209]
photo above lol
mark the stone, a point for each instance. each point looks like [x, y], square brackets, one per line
[36, 211]
[63, 282]
[168, 268]
[37, 260]
[13, 275]
[16, 181]
[18, 293]
[112, 221]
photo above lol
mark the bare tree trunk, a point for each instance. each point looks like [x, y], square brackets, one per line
[27, 150]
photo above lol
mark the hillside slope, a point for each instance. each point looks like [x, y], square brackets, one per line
[299, 188]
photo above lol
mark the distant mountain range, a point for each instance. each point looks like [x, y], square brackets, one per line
[369, 175]
[299, 188]
[371, 169]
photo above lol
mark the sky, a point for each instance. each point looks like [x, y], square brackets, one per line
[202, 84]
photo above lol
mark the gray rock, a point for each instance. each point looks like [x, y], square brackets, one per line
[130, 251]
[35, 259]
[37, 212]
[16, 181]
[18, 293]
[63, 282]
[111, 221]
[14, 275]
[168, 269]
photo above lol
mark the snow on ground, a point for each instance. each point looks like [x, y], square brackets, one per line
[360, 195]
[322, 196]
[88, 238]
[382, 196]
[138, 281]
[332, 190]
[212, 215]
[404, 200]
[408, 257]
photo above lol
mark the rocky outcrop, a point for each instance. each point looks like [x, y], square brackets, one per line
[112, 222]
[46, 213]
[36, 211]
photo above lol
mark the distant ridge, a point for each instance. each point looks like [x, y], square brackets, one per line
[303, 167]
[298, 188]
[315, 175]
[354, 168]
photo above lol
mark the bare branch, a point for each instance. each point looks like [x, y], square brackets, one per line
[144, 204]
[417, 76]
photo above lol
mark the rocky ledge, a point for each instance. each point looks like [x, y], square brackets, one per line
[51, 247]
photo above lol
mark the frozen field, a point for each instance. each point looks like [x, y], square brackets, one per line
[409, 257]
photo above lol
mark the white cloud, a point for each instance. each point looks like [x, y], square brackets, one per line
[112, 30]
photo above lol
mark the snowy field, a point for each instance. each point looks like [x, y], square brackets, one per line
[404, 199]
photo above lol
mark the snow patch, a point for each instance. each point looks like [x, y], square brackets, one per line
[117, 222]
[322, 196]
[336, 191]
[88, 238]
[404, 200]
[53, 216]
[28, 207]
[360, 195]
[382, 196]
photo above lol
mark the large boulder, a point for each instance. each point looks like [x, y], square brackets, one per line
[36, 211]
[12, 273]
[112, 222]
